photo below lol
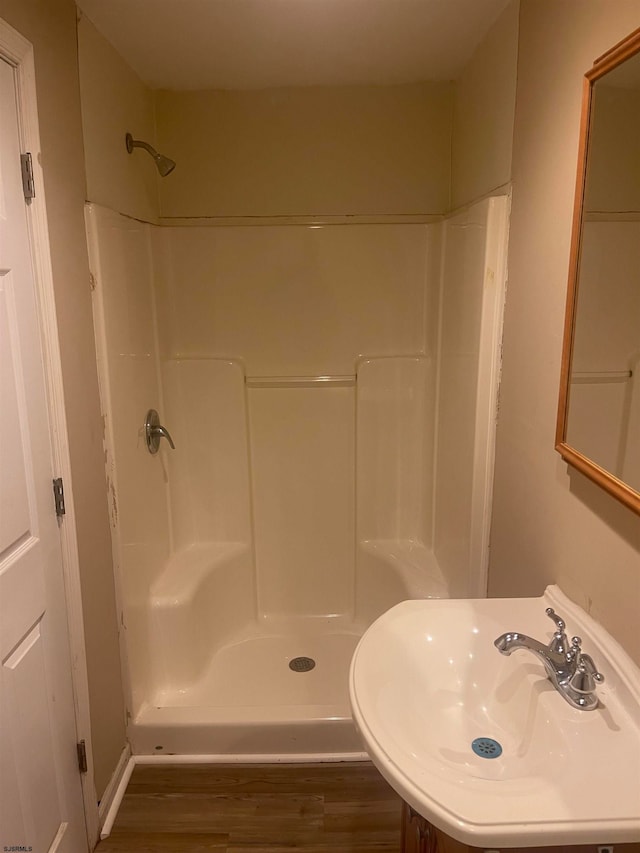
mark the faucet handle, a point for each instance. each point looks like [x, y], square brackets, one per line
[559, 642]
[560, 623]
[586, 675]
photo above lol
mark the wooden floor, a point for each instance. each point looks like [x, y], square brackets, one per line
[273, 808]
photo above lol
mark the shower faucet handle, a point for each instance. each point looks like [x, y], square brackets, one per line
[154, 431]
[163, 432]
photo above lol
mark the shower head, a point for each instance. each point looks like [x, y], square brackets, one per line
[164, 164]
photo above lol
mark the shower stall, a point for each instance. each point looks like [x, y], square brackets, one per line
[331, 392]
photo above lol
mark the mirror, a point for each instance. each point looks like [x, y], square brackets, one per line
[598, 428]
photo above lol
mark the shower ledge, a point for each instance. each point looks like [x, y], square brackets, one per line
[185, 570]
[415, 564]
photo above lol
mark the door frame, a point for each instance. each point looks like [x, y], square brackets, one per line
[18, 52]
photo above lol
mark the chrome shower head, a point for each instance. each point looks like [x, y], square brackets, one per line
[164, 164]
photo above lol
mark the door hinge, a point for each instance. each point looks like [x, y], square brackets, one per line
[28, 184]
[58, 496]
[82, 756]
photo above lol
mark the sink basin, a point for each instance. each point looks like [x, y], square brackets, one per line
[482, 745]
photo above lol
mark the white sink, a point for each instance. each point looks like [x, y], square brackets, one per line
[426, 681]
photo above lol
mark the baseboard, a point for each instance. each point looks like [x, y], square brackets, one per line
[280, 758]
[112, 797]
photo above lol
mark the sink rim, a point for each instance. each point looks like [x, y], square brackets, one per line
[412, 778]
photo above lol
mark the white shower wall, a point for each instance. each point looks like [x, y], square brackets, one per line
[473, 282]
[129, 376]
[297, 370]
[204, 408]
[302, 455]
[292, 300]
[291, 304]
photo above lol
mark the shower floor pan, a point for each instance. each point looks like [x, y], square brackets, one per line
[251, 702]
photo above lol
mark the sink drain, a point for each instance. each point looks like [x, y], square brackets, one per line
[301, 664]
[486, 747]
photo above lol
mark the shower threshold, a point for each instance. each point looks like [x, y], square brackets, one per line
[251, 700]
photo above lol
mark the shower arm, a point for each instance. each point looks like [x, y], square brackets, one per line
[132, 143]
[139, 143]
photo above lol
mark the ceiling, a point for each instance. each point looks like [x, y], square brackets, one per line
[254, 44]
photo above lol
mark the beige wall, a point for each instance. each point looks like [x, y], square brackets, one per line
[50, 25]
[551, 525]
[306, 151]
[483, 114]
[274, 152]
[115, 102]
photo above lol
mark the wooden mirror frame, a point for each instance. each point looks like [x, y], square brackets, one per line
[616, 487]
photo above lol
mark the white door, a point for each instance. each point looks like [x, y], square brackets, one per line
[40, 792]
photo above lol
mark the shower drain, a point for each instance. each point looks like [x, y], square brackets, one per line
[301, 664]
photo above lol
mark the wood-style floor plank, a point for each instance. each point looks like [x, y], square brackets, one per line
[162, 842]
[276, 808]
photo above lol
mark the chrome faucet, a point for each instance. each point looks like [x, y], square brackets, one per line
[571, 672]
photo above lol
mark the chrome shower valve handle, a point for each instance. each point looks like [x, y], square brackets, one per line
[154, 431]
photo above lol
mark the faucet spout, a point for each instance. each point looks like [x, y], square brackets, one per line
[558, 666]
[507, 643]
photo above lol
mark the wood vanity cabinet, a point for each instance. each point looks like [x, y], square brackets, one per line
[419, 836]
